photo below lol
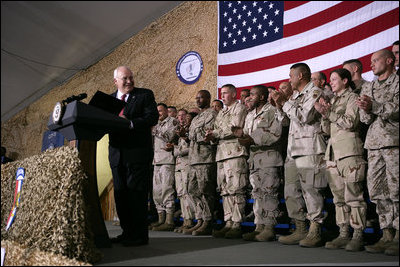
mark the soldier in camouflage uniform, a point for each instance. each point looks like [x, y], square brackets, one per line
[181, 153]
[379, 108]
[202, 175]
[344, 160]
[232, 170]
[164, 170]
[355, 67]
[304, 166]
[261, 133]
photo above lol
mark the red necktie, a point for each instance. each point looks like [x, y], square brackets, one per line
[122, 110]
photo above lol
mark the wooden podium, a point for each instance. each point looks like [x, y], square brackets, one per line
[83, 125]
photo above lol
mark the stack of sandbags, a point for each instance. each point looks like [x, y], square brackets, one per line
[17, 255]
[51, 216]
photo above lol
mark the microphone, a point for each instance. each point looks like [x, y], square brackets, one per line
[74, 97]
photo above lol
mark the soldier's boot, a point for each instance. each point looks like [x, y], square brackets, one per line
[190, 230]
[180, 228]
[357, 242]
[250, 236]
[342, 240]
[168, 225]
[161, 220]
[393, 248]
[221, 233]
[296, 236]
[204, 229]
[383, 243]
[188, 223]
[267, 234]
[234, 232]
[313, 238]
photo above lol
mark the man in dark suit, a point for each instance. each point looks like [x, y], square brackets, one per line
[130, 156]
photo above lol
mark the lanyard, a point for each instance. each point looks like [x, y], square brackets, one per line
[17, 195]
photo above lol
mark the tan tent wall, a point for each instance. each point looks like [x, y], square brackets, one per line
[152, 55]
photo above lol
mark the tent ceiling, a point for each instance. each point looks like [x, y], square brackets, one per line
[44, 43]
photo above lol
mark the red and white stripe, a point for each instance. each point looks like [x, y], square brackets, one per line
[322, 34]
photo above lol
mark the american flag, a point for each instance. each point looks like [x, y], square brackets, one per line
[259, 41]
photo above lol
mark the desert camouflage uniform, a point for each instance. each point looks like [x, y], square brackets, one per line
[164, 165]
[382, 142]
[231, 157]
[363, 128]
[264, 160]
[202, 174]
[357, 90]
[305, 166]
[182, 168]
[345, 164]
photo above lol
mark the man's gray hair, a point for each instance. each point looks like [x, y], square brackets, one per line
[117, 69]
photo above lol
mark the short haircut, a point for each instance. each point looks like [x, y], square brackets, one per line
[263, 90]
[182, 109]
[231, 87]
[396, 43]
[162, 104]
[219, 101]
[206, 93]
[246, 90]
[117, 69]
[304, 69]
[354, 61]
[388, 54]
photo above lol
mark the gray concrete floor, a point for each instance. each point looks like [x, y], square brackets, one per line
[169, 248]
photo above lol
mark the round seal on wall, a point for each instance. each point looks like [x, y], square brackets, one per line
[58, 112]
[189, 67]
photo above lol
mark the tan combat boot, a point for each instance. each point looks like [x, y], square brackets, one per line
[204, 229]
[383, 243]
[267, 234]
[168, 225]
[342, 240]
[221, 233]
[188, 224]
[393, 249]
[189, 231]
[183, 226]
[313, 238]
[235, 231]
[357, 242]
[161, 220]
[250, 236]
[296, 236]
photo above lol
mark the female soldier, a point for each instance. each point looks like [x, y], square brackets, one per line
[345, 164]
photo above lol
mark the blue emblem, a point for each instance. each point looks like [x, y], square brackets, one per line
[20, 174]
[189, 67]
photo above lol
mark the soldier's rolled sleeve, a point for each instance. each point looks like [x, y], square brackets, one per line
[388, 110]
[366, 117]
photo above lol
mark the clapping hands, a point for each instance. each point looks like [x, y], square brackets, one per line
[322, 106]
[364, 102]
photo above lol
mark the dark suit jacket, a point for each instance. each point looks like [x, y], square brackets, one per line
[135, 144]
